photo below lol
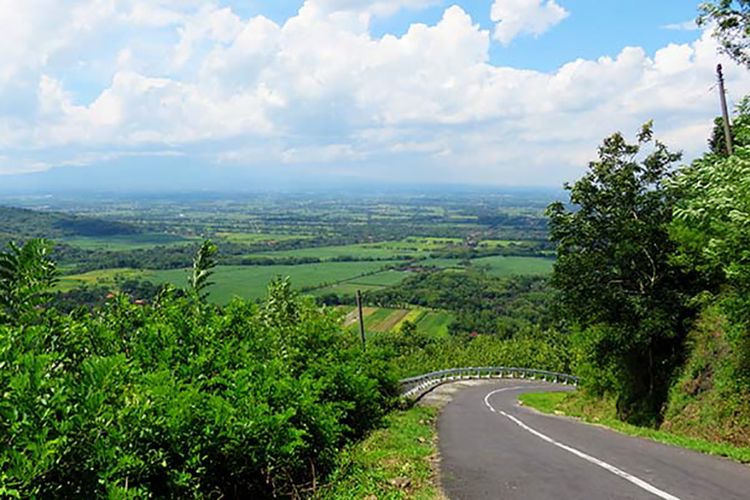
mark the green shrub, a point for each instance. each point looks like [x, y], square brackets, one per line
[183, 399]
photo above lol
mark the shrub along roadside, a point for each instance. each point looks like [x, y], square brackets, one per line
[183, 399]
[602, 411]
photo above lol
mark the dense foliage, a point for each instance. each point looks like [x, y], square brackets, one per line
[618, 284]
[26, 273]
[732, 26]
[181, 398]
[654, 275]
[483, 304]
[414, 353]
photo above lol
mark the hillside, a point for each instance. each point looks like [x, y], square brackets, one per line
[21, 223]
[711, 400]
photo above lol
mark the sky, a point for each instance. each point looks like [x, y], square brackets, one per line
[220, 93]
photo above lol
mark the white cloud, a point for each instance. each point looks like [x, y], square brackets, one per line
[376, 7]
[684, 26]
[321, 89]
[517, 17]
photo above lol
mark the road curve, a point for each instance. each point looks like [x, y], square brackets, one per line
[493, 448]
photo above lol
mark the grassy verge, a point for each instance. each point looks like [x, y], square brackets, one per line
[393, 462]
[602, 412]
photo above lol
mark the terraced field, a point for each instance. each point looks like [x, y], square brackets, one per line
[383, 319]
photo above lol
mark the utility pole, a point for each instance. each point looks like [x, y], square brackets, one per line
[724, 110]
[361, 320]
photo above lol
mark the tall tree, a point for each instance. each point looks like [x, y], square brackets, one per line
[617, 284]
[732, 26]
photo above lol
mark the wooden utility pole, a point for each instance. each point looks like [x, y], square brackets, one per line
[725, 111]
[361, 320]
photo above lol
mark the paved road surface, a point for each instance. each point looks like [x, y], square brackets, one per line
[493, 448]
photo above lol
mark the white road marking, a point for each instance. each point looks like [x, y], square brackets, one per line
[604, 465]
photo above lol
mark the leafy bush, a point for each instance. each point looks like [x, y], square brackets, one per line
[182, 399]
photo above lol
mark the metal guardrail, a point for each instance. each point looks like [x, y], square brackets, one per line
[415, 387]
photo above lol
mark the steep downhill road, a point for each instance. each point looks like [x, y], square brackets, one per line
[493, 448]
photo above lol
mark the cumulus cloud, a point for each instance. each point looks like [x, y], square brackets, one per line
[517, 17]
[320, 89]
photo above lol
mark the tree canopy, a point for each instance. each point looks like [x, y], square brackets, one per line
[617, 284]
[732, 26]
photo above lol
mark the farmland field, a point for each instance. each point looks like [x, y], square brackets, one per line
[105, 277]
[385, 278]
[383, 319]
[365, 251]
[509, 266]
[435, 322]
[230, 281]
[258, 237]
[345, 289]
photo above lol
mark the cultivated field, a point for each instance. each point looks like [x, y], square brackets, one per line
[127, 241]
[381, 319]
[230, 281]
[509, 266]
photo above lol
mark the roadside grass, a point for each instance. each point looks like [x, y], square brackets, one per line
[394, 462]
[602, 412]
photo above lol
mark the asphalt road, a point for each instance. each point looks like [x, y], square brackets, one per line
[493, 448]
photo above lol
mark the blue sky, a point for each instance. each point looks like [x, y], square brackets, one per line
[487, 92]
[594, 28]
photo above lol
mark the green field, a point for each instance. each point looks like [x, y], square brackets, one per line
[251, 238]
[435, 322]
[346, 288]
[104, 277]
[126, 241]
[443, 263]
[366, 283]
[386, 278]
[501, 243]
[230, 281]
[383, 319]
[365, 251]
[509, 266]
[374, 320]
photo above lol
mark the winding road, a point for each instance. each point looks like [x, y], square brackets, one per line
[493, 448]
